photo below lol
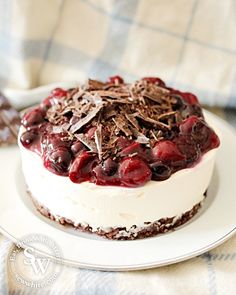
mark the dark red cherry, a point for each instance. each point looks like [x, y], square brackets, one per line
[134, 172]
[90, 132]
[123, 142]
[106, 173]
[77, 147]
[51, 141]
[160, 171]
[55, 97]
[200, 132]
[155, 80]
[133, 148]
[215, 141]
[82, 167]
[186, 126]
[58, 92]
[167, 151]
[33, 117]
[46, 103]
[188, 147]
[116, 80]
[29, 137]
[190, 98]
[109, 167]
[58, 161]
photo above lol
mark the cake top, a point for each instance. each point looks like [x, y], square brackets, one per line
[118, 133]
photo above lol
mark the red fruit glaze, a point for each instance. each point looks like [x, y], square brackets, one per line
[58, 92]
[132, 148]
[186, 126]
[58, 161]
[167, 151]
[29, 137]
[46, 103]
[188, 97]
[77, 147]
[82, 166]
[116, 80]
[33, 117]
[123, 142]
[134, 172]
[155, 80]
[90, 133]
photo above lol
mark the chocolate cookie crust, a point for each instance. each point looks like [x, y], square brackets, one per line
[149, 229]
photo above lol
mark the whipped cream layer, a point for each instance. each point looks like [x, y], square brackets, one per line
[112, 206]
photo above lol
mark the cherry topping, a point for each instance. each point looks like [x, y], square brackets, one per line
[190, 98]
[106, 173]
[90, 133]
[81, 168]
[109, 167]
[134, 172]
[167, 151]
[46, 103]
[133, 148]
[32, 118]
[123, 142]
[186, 126]
[58, 161]
[51, 141]
[188, 148]
[215, 141]
[200, 132]
[58, 92]
[155, 80]
[160, 171]
[77, 147]
[29, 137]
[116, 80]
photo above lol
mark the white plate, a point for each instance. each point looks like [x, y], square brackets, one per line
[214, 224]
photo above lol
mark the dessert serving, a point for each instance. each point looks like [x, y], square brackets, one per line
[121, 160]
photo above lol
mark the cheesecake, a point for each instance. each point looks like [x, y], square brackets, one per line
[121, 160]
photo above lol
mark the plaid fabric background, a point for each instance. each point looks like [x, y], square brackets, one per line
[191, 44]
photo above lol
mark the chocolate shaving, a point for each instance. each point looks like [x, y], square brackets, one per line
[133, 121]
[86, 120]
[155, 122]
[111, 94]
[98, 140]
[90, 144]
[143, 112]
[142, 139]
[165, 115]
[120, 123]
[95, 85]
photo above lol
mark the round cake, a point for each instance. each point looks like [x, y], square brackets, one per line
[124, 161]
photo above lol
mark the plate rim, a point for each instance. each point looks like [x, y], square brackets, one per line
[151, 265]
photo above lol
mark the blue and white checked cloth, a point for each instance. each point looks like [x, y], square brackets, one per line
[191, 44]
